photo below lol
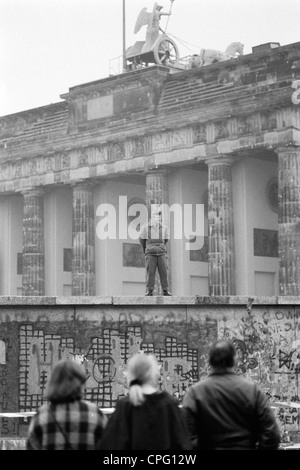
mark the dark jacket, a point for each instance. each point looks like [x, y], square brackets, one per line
[226, 411]
[157, 424]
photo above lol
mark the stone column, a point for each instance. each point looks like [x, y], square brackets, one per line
[83, 240]
[33, 276]
[157, 193]
[220, 225]
[289, 220]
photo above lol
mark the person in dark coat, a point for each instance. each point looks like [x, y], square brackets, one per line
[227, 412]
[146, 419]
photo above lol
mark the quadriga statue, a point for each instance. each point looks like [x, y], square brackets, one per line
[209, 56]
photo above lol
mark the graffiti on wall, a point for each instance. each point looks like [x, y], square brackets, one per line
[105, 362]
[266, 338]
[268, 352]
[7, 426]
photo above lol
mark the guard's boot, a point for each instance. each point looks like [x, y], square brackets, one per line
[149, 292]
[166, 292]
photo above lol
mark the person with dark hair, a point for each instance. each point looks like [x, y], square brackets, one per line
[147, 418]
[67, 422]
[154, 237]
[227, 412]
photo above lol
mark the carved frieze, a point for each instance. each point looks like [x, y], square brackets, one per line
[221, 130]
[161, 141]
[89, 156]
[17, 170]
[83, 158]
[65, 160]
[199, 133]
[96, 154]
[268, 121]
[49, 163]
[29, 167]
[247, 130]
[244, 126]
[58, 162]
[116, 151]
[170, 139]
[179, 138]
[138, 147]
[40, 164]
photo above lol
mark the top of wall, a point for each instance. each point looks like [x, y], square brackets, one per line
[7, 301]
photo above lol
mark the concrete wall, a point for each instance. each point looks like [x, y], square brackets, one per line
[36, 332]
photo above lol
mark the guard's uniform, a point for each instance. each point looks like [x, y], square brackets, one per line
[153, 238]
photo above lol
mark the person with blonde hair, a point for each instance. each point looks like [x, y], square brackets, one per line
[147, 418]
[67, 422]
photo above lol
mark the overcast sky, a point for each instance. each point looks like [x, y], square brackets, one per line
[48, 46]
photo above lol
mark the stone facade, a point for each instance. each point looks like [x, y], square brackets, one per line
[119, 131]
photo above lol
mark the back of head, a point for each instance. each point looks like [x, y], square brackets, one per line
[141, 369]
[66, 382]
[222, 355]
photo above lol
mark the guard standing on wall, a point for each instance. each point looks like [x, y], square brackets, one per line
[153, 238]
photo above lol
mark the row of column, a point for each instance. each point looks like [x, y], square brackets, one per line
[83, 236]
[289, 221]
[221, 231]
[83, 242]
[220, 224]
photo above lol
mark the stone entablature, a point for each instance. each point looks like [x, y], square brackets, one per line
[196, 142]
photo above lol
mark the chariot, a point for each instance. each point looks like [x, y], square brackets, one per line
[164, 51]
[158, 48]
